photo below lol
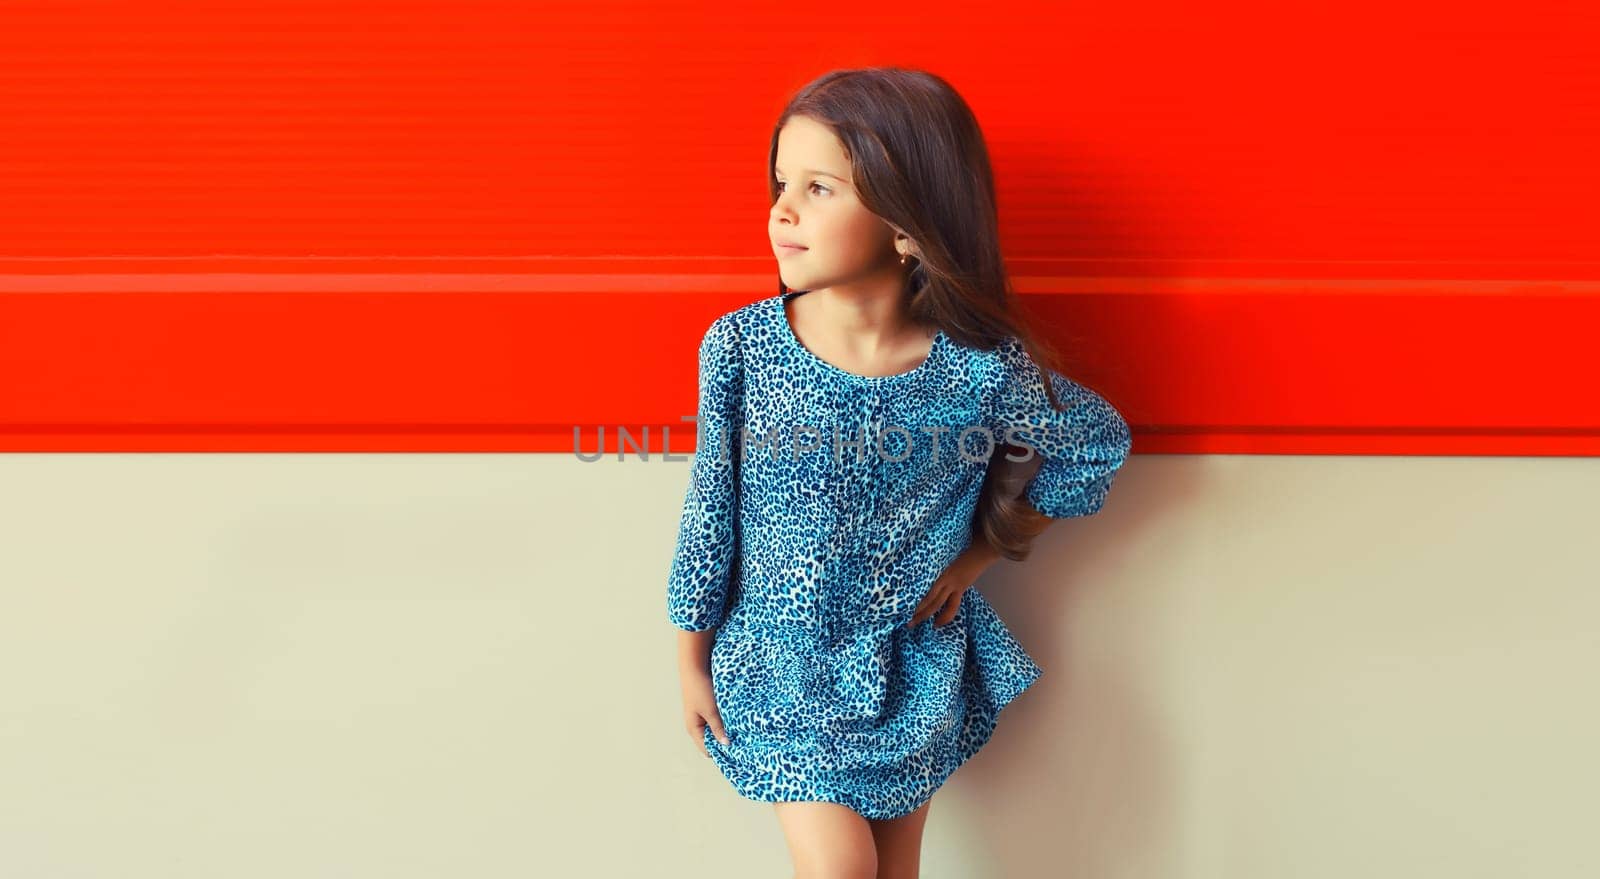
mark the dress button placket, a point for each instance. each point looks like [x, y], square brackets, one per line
[871, 435]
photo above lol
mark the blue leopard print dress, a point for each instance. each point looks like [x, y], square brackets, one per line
[821, 507]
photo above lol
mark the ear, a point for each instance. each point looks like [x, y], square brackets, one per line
[904, 244]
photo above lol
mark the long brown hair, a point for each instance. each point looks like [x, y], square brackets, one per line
[918, 160]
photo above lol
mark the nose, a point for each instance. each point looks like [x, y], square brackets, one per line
[780, 208]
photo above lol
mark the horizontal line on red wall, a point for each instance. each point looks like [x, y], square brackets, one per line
[34, 274]
[503, 361]
[332, 283]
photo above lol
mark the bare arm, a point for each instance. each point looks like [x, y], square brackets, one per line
[694, 651]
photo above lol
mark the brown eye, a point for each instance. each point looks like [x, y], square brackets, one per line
[813, 186]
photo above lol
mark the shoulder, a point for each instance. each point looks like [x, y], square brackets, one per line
[734, 327]
[1007, 363]
[1020, 374]
[1009, 354]
[725, 342]
[982, 372]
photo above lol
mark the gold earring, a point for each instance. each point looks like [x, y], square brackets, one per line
[902, 259]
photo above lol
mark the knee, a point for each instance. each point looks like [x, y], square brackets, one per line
[828, 841]
[897, 870]
[855, 864]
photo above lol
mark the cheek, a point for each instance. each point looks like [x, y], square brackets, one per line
[856, 237]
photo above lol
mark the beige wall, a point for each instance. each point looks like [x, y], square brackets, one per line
[459, 665]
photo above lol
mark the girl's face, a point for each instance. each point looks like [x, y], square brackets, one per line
[817, 208]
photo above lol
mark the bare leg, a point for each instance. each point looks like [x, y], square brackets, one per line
[899, 844]
[828, 841]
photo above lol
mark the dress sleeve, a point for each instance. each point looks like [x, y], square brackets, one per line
[697, 585]
[1081, 445]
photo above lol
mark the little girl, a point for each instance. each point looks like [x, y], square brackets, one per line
[861, 439]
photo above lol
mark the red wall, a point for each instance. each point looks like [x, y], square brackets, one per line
[1338, 228]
